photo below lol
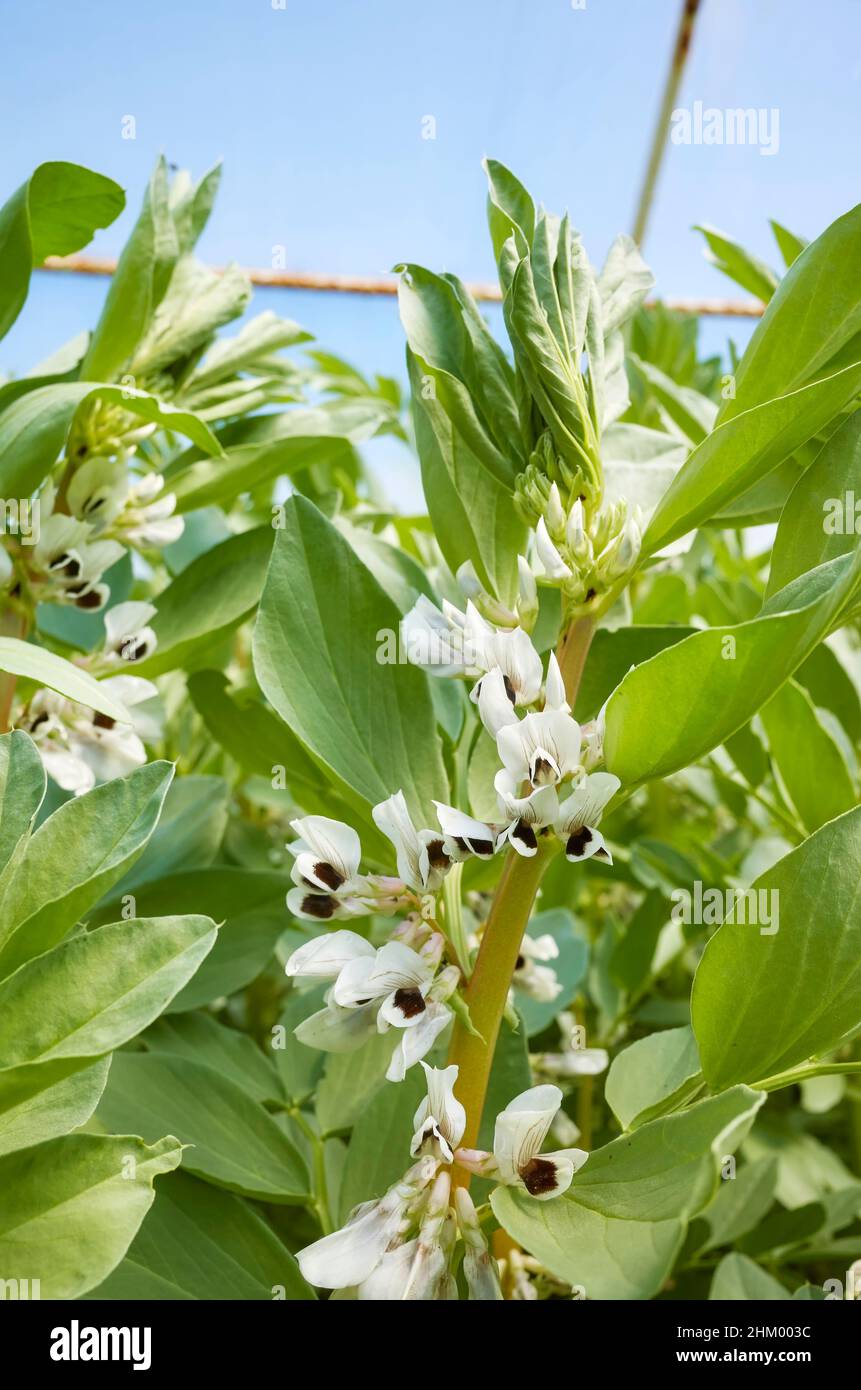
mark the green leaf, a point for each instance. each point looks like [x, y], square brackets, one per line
[689, 698]
[605, 1257]
[199, 1242]
[22, 788]
[791, 345]
[611, 656]
[233, 1141]
[75, 856]
[298, 1066]
[249, 904]
[741, 1203]
[70, 1208]
[138, 283]
[59, 1108]
[33, 429]
[208, 599]
[53, 214]
[379, 1150]
[764, 1003]
[789, 245]
[350, 1081]
[742, 267]
[188, 835]
[738, 1279]
[98, 990]
[293, 441]
[811, 767]
[235, 1055]
[36, 664]
[654, 1075]
[819, 520]
[743, 448]
[372, 724]
[669, 1167]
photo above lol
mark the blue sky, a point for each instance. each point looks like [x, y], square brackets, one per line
[317, 110]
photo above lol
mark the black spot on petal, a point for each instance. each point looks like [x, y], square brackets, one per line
[103, 721]
[329, 875]
[482, 848]
[437, 857]
[539, 1175]
[318, 905]
[525, 834]
[410, 1002]
[509, 690]
[577, 842]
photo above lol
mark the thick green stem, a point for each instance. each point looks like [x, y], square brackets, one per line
[488, 987]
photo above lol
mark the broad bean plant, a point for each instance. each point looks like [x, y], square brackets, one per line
[461, 905]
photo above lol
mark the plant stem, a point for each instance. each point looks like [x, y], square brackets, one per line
[488, 987]
[12, 624]
[791, 1078]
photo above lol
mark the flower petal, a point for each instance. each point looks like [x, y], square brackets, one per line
[549, 1175]
[416, 1042]
[334, 844]
[325, 957]
[522, 1127]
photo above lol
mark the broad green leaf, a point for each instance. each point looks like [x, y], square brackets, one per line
[789, 245]
[605, 1257]
[70, 1208]
[743, 448]
[822, 516]
[235, 1055]
[208, 599]
[299, 1067]
[199, 1242]
[692, 696]
[294, 441]
[22, 787]
[233, 1141]
[612, 654]
[742, 267]
[764, 1003]
[75, 856]
[350, 1081]
[54, 213]
[379, 1149]
[738, 1279]
[315, 655]
[188, 835]
[261, 335]
[741, 1203]
[96, 991]
[249, 904]
[831, 687]
[669, 1167]
[791, 344]
[692, 413]
[33, 428]
[138, 283]
[654, 1075]
[56, 1110]
[36, 664]
[810, 765]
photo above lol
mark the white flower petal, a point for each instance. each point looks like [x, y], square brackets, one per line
[325, 957]
[415, 1043]
[349, 1256]
[552, 562]
[550, 1174]
[392, 817]
[440, 1113]
[334, 844]
[465, 831]
[521, 1129]
[495, 705]
[554, 687]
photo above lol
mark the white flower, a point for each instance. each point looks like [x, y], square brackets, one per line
[440, 1120]
[68, 561]
[415, 1043]
[553, 564]
[495, 702]
[326, 871]
[464, 835]
[128, 636]
[416, 1270]
[541, 748]
[593, 739]
[479, 1267]
[580, 814]
[576, 535]
[349, 1256]
[524, 814]
[110, 500]
[554, 687]
[395, 975]
[325, 957]
[421, 854]
[531, 974]
[452, 643]
[80, 747]
[517, 1160]
[582, 1061]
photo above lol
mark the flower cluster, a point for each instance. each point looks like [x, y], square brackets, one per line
[540, 751]
[404, 1245]
[80, 746]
